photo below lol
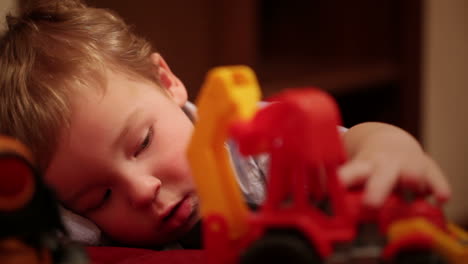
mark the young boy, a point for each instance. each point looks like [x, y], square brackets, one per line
[104, 117]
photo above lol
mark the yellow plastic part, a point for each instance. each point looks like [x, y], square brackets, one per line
[9, 144]
[15, 251]
[452, 244]
[228, 94]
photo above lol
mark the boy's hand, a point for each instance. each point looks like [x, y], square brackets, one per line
[383, 156]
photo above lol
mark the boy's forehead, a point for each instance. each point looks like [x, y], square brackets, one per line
[98, 94]
[111, 83]
[102, 112]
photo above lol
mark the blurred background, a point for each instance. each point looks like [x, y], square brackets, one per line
[397, 61]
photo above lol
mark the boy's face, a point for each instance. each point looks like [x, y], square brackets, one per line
[122, 162]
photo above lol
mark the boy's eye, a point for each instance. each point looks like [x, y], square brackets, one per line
[145, 143]
[105, 197]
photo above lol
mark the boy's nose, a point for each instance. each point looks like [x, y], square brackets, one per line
[143, 190]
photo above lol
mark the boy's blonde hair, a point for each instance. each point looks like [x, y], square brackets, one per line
[53, 48]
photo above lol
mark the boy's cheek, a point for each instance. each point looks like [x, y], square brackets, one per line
[127, 226]
[175, 170]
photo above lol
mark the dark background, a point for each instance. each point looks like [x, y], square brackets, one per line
[365, 52]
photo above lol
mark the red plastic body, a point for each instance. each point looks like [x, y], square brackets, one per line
[299, 131]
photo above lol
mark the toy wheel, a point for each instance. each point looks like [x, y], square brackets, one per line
[281, 247]
[418, 256]
[16, 182]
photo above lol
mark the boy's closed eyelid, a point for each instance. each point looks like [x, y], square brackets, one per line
[128, 126]
[100, 203]
[76, 198]
[145, 143]
[89, 199]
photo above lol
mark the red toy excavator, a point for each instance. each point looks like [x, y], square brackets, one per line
[308, 216]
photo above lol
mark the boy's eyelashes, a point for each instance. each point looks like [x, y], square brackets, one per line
[103, 198]
[145, 143]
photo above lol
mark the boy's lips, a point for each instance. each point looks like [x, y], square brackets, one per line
[179, 216]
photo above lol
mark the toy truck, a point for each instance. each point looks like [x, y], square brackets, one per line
[30, 221]
[308, 216]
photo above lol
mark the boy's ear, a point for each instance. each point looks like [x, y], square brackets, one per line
[168, 80]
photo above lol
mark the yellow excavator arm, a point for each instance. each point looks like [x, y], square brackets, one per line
[228, 94]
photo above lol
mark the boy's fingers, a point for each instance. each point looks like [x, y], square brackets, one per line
[380, 184]
[414, 177]
[354, 172]
[415, 182]
[438, 183]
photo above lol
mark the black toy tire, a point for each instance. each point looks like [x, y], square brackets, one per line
[280, 247]
[418, 256]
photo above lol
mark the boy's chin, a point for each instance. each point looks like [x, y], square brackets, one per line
[190, 239]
